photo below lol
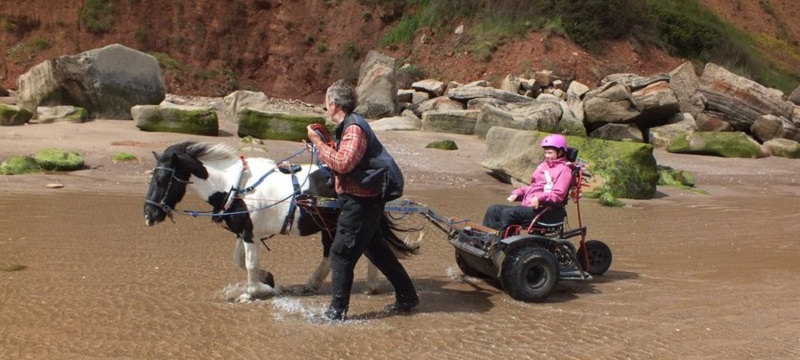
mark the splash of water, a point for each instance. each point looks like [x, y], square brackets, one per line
[238, 293]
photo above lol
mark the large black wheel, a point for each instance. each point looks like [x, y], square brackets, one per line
[530, 274]
[599, 257]
[466, 269]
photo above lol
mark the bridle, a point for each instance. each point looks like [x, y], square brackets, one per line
[163, 205]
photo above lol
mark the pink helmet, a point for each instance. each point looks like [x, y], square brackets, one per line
[557, 141]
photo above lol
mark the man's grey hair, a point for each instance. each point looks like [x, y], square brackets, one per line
[342, 94]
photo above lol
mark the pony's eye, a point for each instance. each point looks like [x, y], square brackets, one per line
[161, 177]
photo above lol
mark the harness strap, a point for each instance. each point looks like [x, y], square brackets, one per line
[228, 202]
[289, 220]
[261, 179]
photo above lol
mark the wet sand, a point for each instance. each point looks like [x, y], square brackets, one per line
[694, 276]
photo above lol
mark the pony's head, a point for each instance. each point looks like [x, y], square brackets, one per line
[170, 176]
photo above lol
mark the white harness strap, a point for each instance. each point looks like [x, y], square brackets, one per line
[548, 187]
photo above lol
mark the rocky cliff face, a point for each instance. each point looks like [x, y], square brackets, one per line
[284, 48]
[294, 48]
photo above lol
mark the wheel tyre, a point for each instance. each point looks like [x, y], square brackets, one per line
[599, 257]
[466, 269]
[530, 274]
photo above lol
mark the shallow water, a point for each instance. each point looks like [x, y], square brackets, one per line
[694, 276]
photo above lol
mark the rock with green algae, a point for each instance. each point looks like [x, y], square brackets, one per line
[176, 119]
[19, 164]
[442, 145]
[623, 169]
[673, 177]
[609, 200]
[275, 125]
[53, 159]
[725, 144]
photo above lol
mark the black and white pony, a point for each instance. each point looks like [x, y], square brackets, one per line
[254, 204]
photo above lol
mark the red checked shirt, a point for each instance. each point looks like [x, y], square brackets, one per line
[343, 160]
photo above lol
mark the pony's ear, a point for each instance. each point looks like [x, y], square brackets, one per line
[194, 166]
[155, 154]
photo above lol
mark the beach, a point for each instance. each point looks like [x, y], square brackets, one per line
[705, 273]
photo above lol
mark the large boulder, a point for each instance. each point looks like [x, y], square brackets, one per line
[434, 88]
[712, 121]
[610, 103]
[450, 121]
[439, 103]
[657, 102]
[796, 116]
[177, 119]
[535, 115]
[11, 115]
[66, 113]
[405, 96]
[725, 144]
[377, 91]
[794, 97]
[106, 82]
[768, 127]
[8, 100]
[275, 125]
[783, 148]
[238, 100]
[622, 169]
[661, 136]
[396, 123]
[632, 81]
[684, 83]
[575, 93]
[511, 83]
[571, 122]
[468, 92]
[618, 132]
[742, 101]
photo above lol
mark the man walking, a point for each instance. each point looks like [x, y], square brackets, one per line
[358, 229]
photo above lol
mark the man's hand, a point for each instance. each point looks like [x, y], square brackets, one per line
[315, 139]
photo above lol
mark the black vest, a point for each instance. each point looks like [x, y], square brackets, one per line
[377, 170]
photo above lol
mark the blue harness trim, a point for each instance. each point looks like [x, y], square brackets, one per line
[261, 179]
[289, 220]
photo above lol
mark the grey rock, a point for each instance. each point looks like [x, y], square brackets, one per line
[377, 90]
[742, 101]
[12, 115]
[618, 132]
[450, 121]
[769, 127]
[107, 82]
[610, 103]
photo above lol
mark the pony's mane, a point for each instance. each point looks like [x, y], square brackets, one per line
[208, 152]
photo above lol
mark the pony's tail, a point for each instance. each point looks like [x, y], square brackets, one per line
[401, 248]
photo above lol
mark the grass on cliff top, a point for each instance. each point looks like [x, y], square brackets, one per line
[685, 28]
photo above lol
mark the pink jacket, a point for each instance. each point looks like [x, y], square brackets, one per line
[550, 182]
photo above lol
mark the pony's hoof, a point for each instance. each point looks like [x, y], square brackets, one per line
[245, 298]
[265, 277]
[371, 292]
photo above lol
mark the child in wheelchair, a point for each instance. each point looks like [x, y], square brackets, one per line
[544, 197]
